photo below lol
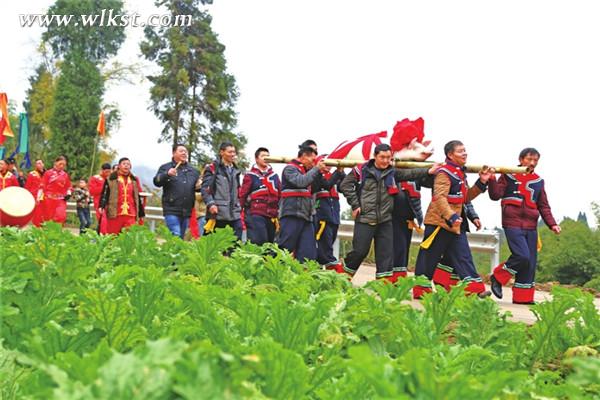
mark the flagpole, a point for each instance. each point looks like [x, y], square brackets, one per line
[100, 131]
[94, 156]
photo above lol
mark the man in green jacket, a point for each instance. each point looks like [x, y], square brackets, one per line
[369, 189]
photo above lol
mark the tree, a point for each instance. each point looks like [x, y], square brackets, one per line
[77, 105]
[581, 217]
[193, 95]
[39, 105]
[94, 43]
[80, 86]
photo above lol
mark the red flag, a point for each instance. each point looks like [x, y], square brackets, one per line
[101, 128]
[361, 147]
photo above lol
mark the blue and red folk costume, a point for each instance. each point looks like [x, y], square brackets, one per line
[259, 196]
[327, 218]
[445, 274]
[297, 231]
[523, 199]
[444, 239]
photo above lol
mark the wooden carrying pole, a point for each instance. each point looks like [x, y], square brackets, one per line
[403, 164]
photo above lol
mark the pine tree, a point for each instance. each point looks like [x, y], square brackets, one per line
[193, 95]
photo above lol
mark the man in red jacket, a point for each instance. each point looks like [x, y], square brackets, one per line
[95, 186]
[34, 184]
[523, 202]
[259, 197]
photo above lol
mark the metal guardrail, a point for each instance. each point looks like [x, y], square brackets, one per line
[485, 241]
[153, 214]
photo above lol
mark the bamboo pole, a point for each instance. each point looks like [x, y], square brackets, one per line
[402, 164]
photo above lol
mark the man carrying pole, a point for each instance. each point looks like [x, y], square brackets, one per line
[524, 200]
[444, 229]
[370, 189]
[297, 232]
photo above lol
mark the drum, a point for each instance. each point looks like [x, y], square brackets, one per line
[16, 206]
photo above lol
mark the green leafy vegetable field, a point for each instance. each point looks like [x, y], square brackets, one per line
[90, 317]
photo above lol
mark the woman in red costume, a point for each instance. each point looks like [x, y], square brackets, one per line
[56, 189]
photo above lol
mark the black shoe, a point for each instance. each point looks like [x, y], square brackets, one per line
[495, 286]
[485, 294]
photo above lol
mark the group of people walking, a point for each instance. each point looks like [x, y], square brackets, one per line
[300, 211]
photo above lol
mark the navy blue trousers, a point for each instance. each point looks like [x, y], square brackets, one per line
[450, 246]
[402, 238]
[297, 235]
[523, 258]
[236, 225]
[260, 229]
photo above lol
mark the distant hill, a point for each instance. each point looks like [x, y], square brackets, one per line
[146, 174]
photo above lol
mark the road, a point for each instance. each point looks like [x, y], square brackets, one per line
[519, 312]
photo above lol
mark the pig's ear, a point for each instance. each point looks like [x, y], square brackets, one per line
[426, 143]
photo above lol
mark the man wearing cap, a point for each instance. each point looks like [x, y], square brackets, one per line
[95, 186]
[445, 234]
[370, 189]
[523, 199]
[297, 232]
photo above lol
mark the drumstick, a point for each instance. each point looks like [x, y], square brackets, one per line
[178, 164]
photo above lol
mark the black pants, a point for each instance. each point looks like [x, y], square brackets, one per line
[402, 238]
[364, 234]
[84, 219]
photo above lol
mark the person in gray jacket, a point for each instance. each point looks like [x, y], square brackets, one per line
[220, 185]
[370, 189]
[296, 207]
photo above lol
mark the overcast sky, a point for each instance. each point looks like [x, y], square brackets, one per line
[499, 76]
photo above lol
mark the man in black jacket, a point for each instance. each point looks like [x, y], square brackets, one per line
[220, 186]
[370, 189]
[178, 180]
